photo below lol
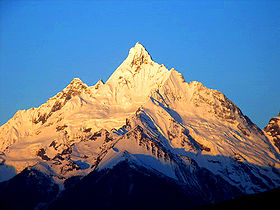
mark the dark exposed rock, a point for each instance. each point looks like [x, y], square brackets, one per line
[196, 144]
[59, 128]
[41, 118]
[96, 135]
[58, 157]
[69, 166]
[42, 153]
[53, 144]
[87, 130]
[277, 143]
[108, 137]
[66, 151]
[273, 130]
[63, 155]
[243, 130]
[203, 147]
[57, 106]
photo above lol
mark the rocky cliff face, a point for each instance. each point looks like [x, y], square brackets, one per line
[272, 130]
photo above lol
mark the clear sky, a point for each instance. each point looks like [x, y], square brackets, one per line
[231, 46]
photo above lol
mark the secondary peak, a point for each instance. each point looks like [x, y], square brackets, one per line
[76, 80]
[76, 83]
[98, 84]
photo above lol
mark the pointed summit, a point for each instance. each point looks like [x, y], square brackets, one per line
[138, 55]
[137, 69]
[139, 46]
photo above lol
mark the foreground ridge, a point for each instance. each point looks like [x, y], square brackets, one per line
[144, 128]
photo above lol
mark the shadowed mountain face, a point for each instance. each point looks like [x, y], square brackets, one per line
[130, 186]
[27, 190]
[124, 187]
[145, 138]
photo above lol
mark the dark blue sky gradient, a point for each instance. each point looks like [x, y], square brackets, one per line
[233, 47]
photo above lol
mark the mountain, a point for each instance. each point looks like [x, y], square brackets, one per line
[272, 131]
[145, 134]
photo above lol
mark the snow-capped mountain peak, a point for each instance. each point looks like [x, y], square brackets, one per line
[138, 55]
[136, 62]
[153, 116]
[138, 75]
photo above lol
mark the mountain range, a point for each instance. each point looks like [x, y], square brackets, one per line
[144, 139]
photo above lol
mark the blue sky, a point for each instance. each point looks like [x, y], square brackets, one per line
[231, 46]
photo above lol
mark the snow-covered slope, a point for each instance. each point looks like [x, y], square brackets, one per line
[150, 116]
